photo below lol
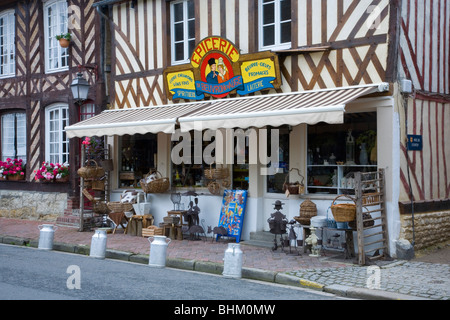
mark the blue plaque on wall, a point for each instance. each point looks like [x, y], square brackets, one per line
[414, 142]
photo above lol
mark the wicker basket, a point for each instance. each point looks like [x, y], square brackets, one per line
[295, 187]
[171, 220]
[152, 231]
[370, 198]
[160, 185]
[343, 212]
[98, 185]
[367, 221]
[308, 209]
[214, 187]
[303, 221]
[117, 206]
[90, 171]
[216, 173]
[100, 207]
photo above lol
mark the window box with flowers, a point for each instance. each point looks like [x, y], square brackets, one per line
[12, 170]
[52, 172]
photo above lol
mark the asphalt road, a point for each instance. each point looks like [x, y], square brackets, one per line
[33, 274]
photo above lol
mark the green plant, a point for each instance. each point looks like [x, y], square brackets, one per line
[369, 138]
[66, 36]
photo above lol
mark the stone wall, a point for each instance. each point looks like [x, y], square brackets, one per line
[430, 228]
[32, 205]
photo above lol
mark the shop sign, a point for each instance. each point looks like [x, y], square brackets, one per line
[414, 142]
[217, 69]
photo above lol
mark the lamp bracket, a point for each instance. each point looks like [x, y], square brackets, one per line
[91, 69]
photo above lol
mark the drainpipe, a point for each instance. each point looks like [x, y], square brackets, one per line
[405, 94]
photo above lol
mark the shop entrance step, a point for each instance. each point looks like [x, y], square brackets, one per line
[260, 239]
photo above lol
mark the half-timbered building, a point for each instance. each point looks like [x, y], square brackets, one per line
[36, 102]
[338, 86]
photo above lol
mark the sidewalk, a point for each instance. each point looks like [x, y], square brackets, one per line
[398, 279]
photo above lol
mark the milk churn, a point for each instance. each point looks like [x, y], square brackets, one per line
[158, 249]
[232, 267]
[46, 236]
[98, 244]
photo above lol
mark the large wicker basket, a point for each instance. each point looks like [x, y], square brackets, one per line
[343, 212]
[308, 209]
[117, 206]
[216, 173]
[91, 171]
[294, 187]
[160, 185]
[100, 207]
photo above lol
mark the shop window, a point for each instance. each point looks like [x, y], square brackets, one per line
[275, 181]
[336, 151]
[14, 136]
[182, 28]
[240, 172]
[7, 44]
[190, 159]
[274, 24]
[55, 23]
[137, 157]
[56, 141]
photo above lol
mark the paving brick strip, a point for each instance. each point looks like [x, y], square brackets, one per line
[399, 280]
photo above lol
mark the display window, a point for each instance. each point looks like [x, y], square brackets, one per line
[138, 155]
[276, 180]
[189, 159]
[335, 152]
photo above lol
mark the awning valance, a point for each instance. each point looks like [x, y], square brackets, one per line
[294, 108]
[132, 121]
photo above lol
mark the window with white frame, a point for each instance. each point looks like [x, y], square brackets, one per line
[56, 141]
[274, 24]
[14, 136]
[55, 23]
[7, 46]
[182, 28]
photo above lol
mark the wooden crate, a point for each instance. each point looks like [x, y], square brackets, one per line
[152, 231]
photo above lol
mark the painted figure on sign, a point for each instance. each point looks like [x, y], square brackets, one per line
[212, 76]
[223, 71]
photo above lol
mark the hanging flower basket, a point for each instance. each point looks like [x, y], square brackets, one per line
[64, 39]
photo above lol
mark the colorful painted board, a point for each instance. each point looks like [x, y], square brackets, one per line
[217, 69]
[232, 212]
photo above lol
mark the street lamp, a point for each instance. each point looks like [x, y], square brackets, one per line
[80, 88]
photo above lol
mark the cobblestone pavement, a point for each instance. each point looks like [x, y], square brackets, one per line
[410, 278]
[419, 279]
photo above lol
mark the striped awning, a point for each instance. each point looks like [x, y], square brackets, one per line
[133, 120]
[294, 108]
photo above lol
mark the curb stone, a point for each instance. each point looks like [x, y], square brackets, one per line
[217, 268]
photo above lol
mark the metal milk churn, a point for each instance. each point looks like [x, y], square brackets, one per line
[232, 267]
[98, 244]
[46, 236]
[158, 250]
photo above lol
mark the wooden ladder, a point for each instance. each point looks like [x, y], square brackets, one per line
[372, 232]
